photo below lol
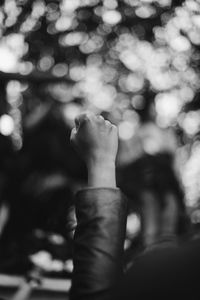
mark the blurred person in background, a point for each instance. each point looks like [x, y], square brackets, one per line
[156, 196]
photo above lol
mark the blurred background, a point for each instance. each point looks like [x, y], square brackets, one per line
[136, 62]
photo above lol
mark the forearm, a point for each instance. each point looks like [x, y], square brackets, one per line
[101, 174]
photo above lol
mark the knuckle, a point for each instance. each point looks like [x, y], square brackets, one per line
[86, 118]
[107, 122]
[100, 119]
[114, 127]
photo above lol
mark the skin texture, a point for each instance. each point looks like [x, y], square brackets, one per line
[96, 140]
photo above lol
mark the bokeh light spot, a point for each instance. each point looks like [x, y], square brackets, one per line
[111, 17]
[6, 125]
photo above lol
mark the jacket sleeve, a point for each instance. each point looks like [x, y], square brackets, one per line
[98, 243]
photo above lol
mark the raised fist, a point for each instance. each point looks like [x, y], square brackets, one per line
[95, 139]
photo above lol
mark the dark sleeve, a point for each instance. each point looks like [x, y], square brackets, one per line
[98, 242]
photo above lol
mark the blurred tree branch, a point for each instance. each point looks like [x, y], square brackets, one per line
[37, 77]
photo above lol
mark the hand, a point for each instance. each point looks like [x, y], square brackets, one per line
[96, 140]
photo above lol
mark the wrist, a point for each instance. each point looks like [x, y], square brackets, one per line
[100, 162]
[102, 174]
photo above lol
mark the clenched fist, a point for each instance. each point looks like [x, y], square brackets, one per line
[96, 140]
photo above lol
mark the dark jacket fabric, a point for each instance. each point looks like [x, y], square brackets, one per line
[165, 271]
[98, 243]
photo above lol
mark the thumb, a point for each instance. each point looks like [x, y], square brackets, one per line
[73, 135]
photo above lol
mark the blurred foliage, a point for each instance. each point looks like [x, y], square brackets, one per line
[114, 56]
[135, 60]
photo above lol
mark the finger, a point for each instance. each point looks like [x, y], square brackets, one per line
[77, 122]
[83, 118]
[108, 123]
[73, 134]
[114, 127]
[100, 118]
[80, 119]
